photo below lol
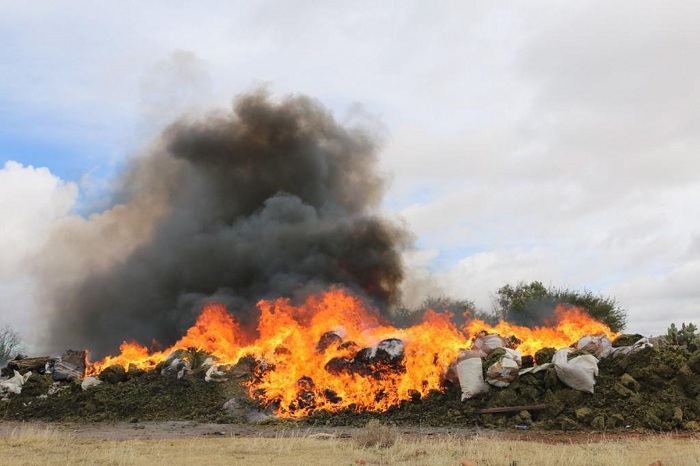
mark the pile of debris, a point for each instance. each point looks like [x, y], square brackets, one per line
[597, 384]
[629, 383]
[68, 367]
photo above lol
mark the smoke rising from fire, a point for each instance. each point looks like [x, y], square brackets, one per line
[274, 198]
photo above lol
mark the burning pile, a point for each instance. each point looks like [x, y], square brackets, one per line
[333, 359]
[271, 199]
[333, 353]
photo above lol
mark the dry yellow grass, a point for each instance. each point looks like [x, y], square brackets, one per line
[31, 446]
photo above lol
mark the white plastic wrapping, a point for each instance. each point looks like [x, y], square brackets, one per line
[579, 373]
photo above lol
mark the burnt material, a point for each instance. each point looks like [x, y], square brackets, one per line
[327, 340]
[387, 356]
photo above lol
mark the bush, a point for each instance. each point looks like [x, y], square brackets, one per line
[374, 434]
[685, 336]
[462, 310]
[532, 303]
[10, 344]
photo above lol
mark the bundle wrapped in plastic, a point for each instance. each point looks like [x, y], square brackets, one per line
[578, 373]
[470, 374]
[505, 369]
[599, 346]
[213, 374]
[487, 342]
[14, 384]
[627, 350]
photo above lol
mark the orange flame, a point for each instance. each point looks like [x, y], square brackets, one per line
[569, 325]
[309, 357]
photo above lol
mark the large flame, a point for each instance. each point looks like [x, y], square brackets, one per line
[333, 352]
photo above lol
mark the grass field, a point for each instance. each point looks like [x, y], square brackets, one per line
[41, 446]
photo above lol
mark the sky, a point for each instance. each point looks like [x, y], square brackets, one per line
[540, 140]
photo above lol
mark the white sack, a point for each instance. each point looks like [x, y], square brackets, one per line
[487, 342]
[470, 374]
[13, 385]
[579, 373]
[598, 345]
[89, 382]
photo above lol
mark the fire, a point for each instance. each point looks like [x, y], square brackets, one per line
[333, 352]
[569, 325]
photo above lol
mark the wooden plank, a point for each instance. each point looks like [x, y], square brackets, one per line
[510, 409]
[29, 364]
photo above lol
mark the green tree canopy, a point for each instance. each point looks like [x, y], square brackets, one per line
[530, 303]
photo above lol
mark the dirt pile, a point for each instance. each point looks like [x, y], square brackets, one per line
[656, 388]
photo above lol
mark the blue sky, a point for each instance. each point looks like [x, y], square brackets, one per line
[542, 141]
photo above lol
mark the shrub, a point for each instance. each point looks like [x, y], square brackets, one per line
[374, 434]
[684, 336]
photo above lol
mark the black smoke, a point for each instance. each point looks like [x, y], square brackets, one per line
[274, 198]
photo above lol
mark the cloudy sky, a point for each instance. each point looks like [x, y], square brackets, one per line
[551, 141]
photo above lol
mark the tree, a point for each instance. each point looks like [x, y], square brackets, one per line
[531, 303]
[462, 310]
[10, 344]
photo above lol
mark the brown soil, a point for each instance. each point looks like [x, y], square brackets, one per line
[191, 429]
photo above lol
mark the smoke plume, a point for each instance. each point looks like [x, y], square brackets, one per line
[271, 199]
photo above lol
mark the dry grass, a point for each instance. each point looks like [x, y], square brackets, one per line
[30, 446]
[375, 434]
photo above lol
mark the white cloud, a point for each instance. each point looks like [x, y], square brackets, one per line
[31, 199]
[543, 141]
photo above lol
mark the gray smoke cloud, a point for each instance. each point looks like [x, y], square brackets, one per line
[274, 198]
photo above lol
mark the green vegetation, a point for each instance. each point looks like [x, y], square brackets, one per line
[685, 336]
[462, 310]
[525, 302]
